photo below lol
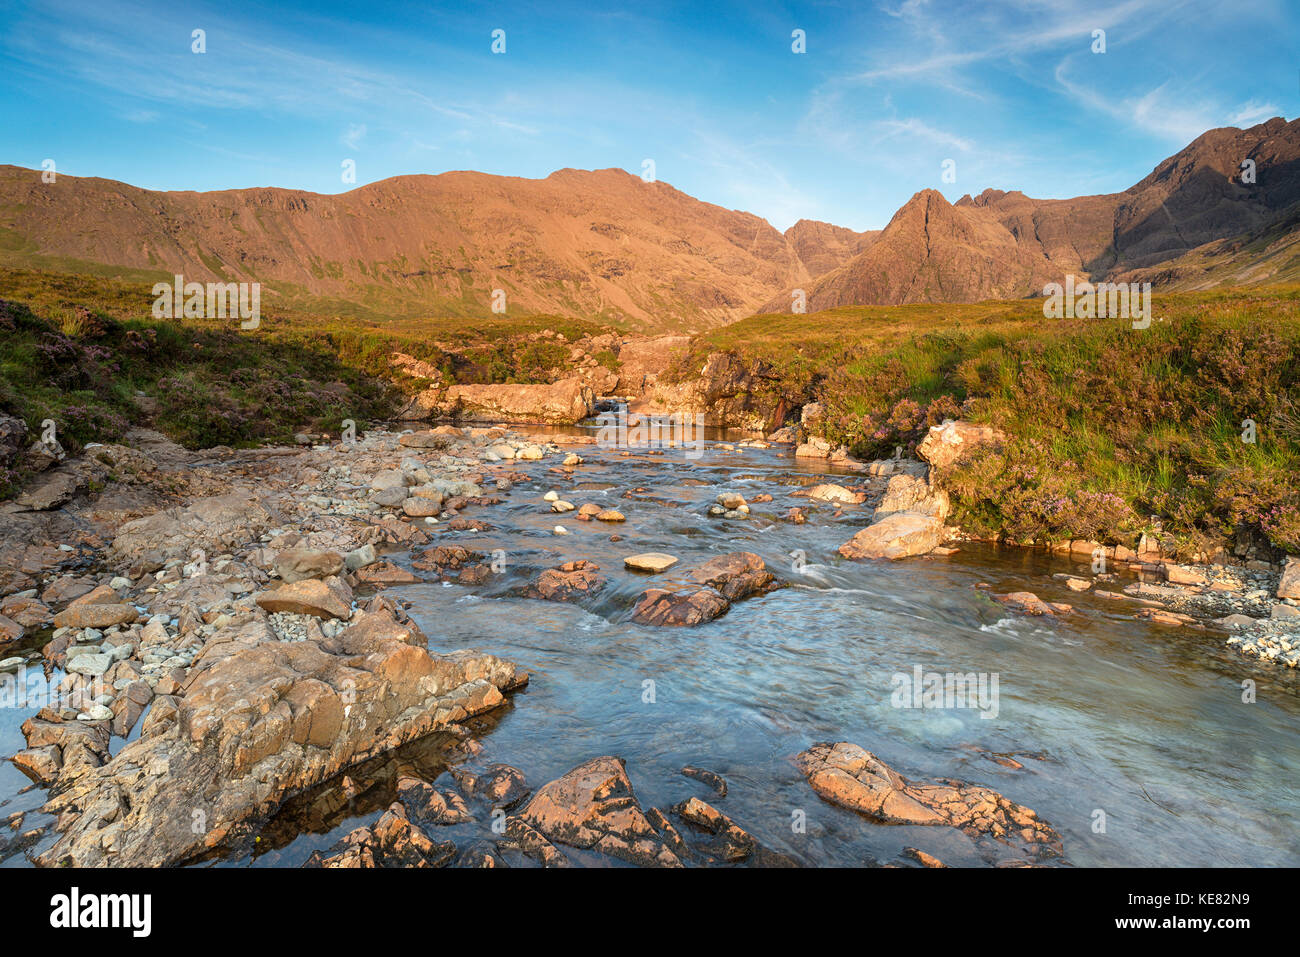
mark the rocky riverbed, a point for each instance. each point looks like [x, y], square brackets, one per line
[308, 656]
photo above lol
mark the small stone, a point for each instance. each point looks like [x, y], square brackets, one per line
[650, 562]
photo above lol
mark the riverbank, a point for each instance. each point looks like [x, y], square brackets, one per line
[256, 623]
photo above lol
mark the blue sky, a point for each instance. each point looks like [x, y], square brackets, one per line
[846, 132]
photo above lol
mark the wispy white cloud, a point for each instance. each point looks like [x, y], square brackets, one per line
[353, 135]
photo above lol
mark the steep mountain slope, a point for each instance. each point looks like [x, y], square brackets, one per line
[823, 247]
[605, 245]
[1005, 245]
[601, 244]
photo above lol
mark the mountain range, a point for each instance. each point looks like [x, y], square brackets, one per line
[606, 245]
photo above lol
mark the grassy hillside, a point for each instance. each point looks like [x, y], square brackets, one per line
[1108, 425]
[85, 352]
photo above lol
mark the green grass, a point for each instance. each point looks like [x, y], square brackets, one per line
[1113, 431]
[77, 349]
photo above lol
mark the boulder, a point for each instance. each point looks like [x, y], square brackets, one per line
[90, 615]
[736, 575]
[425, 440]
[327, 598]
[835, 493]
[298, 564]
[907, 493]
[216, 524]
[899, 535]
[948, 443]
[684, 608]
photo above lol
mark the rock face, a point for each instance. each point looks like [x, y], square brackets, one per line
[659, 606]
[1030, 604]
[853, 777]
[560, 403]
[593, 807]
[948, 443]
[570, 581]
[899, 535]
[736, 575]
[212, 524]
[259, 720]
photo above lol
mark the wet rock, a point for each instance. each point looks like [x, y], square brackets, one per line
[429, 806]
[392, 841]
[922, 858]
[10, 631]
[570, 581]
[323, 598]
[684, 608]
[443, 559]
[298, 564]
[533, 843]
[732, 842]
[261, 720]
[736, 575]
[948, 443]
[1028, 603]
[835, 493]
[610, 515]
[650, 562]
[713, 780]
[899, 535]
[29, 612]
[594, 807]
[40, 764]
[853, 777]
[500, 785]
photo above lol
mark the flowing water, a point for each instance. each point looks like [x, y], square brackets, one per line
[1098, 716]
